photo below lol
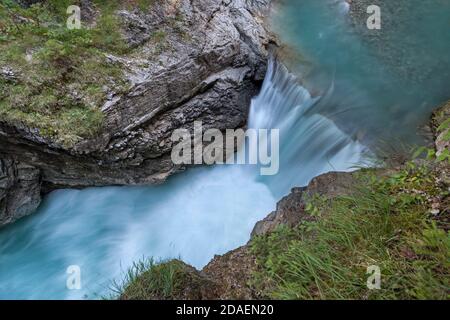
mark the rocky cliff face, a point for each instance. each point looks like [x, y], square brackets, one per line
[290, 210]
[209, 66]
[19, 190]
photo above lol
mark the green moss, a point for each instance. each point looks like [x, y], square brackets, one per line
[145, 5]
[61, 75]
[159, 36]
[385, 222]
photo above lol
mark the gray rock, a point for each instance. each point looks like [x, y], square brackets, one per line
[440, 115]
[195, 60]
[8, 74]
[19, 190]
[291, 209]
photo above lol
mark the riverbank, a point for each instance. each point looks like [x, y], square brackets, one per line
[322, 239]
[203, 60]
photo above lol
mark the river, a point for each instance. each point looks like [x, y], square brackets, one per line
[358, 98]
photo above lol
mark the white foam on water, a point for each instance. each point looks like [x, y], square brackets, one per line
[195, 215]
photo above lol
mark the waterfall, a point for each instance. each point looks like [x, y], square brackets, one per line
[195, 215]
[311, 144]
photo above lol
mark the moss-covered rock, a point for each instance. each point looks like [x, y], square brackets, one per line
[324, 239]
[53, 78]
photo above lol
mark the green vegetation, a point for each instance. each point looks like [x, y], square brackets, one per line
[143, 5]
[385, 222]
[396, 219]
[149, 280]
[55, 79]
[59, 77]
[159, 36]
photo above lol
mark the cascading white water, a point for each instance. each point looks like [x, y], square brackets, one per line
[195, 215]
[310, 143]
[209, 210]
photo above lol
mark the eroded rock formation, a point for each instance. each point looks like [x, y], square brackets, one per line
[209, 65]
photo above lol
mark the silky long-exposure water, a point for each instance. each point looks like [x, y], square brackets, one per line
[202, 212]
[358, 95]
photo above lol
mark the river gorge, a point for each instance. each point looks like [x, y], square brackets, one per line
[338, 92]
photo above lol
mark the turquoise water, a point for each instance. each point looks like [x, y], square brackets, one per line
[195, 215]
[357, 92]
[103, 230]
[384, 83]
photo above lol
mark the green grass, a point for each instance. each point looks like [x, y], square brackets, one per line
[62, 75]
[385, 222]
[147, 280]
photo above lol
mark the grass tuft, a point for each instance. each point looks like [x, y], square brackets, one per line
[149, 280]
